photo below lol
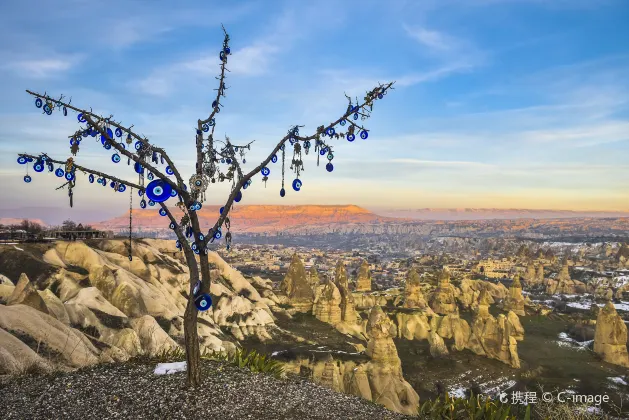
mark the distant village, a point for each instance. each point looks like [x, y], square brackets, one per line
[28, 231]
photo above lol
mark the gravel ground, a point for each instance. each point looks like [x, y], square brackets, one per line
[125, 391]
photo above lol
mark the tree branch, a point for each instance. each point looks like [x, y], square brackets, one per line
[88, 116]
[230, 200]
[85, 170]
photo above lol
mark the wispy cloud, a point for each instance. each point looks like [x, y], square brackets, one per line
[434, 40]
[42, 68]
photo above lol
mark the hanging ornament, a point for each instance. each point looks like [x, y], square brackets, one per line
[364, 135]
[38, 102]
[130, 219]
[118, 132]
[203, 302]
[297, 184]
[59, 172]
[158, 190]
[115, 158]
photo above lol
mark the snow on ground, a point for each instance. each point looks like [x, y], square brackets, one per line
[19, 249]
[586, 304]
[618, 380]
[168, 368]
[567, 341]
[457, 392]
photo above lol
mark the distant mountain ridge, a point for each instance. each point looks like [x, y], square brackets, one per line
[255, 218]
[492, 213]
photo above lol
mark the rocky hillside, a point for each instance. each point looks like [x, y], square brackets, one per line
[255, 218]
[72, 304]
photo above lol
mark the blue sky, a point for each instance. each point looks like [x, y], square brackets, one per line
[498, 103]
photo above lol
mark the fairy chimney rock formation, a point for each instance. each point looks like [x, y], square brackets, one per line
[296, 286]
[363, 281]
[313, 278]
[610, 339]
[413, 296]
[381, 348]
[443, 299]
[564, 284]
[348, 312]
[515, 301]
[327, 303]
[25, 293]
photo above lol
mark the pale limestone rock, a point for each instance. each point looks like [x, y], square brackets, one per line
[563, 284]
[363, 281]
[515, 301]
[297, 287]
[413, 326]
[381, 348]
[6, 291]
[4, 280]
[443, 299]
[26, 294]
[92, 298]
[452, 326]
[497, 338]
[125, 339]
[348, 312]
[55, 306]
[437, 346]
[72, 346]
[610, 340]
[16, 357]
[153, 338]
[313, 278]
[413, 296]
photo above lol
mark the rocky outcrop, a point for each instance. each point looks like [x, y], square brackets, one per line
[533, 276]
[563, 284]
[115, 308]
[515, 301]
[452, 327]
[443, 299]
[363, 280]
[327, 303]
[25, 293]
[497, 338]
[412, 326]
[381, 348]
[413, 296]
[296, 286]
[610, 339]
[313, 278]
[48, 336]
[348, 312]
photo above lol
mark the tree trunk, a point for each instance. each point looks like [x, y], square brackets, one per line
[193, 354]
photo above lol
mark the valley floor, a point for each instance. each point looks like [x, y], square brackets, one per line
[132, 390]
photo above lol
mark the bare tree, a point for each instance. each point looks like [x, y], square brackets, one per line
[210, 155]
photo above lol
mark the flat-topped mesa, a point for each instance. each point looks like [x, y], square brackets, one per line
[413, 296]
[348, 312]
[610, 338]
[515, 300]
[296, 286]
[363, 281]
[443, 299]
[327, 303]
[381, 348]
[313, 278]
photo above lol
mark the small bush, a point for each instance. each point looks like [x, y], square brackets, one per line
[252, 360]
[474, 408]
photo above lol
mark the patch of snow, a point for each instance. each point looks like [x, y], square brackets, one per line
[567, 341]
[617, 380]
[275, 353]
[19, 249]
[457, 392]
[580, 305]
[168, 368]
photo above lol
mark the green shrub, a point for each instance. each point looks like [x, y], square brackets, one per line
[474, 408]
[252, 360]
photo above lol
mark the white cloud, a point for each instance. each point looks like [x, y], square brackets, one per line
[41, 68]
[434, 40]
[254, 59]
